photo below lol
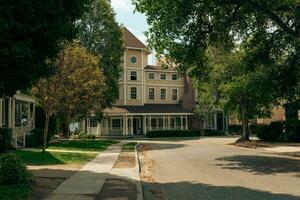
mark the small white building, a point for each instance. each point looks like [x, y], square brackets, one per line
[18, 113]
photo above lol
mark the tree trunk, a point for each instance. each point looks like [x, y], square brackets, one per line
[46, 128]
[245, 122]
[68, 125]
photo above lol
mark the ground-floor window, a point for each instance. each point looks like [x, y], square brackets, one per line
[116, 124]
[153, 123]
[161, 123]
[210, 121]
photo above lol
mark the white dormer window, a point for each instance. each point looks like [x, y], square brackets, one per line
[151, 76]
[133, 60]
[133, 75]
[163, 76]
[174, 77]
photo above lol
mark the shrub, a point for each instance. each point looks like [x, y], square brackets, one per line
[85, 136]
[5, 139]
[272, 132]
[183, 133]
[235, 129]
[292, 130]
[31, 140]
[36, 138]
[13, 170]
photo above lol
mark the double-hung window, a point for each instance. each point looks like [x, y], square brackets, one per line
[174, 77]
[133, 92]
[151, 76]
[151, 93]
[163, 94]
[163, 76]
[133, 75]
[174, 94]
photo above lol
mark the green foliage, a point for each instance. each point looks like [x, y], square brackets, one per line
[15, 192]
[40, 120]
[85, 136]
[31, 32]
[100, 33]
[184, 133]
[82, 145]
[36, 137]
[272, 132]
[292, 130]
[13, 170]
[235, 129]
[5, 139]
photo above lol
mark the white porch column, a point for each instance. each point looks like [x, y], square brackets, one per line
[186, 123]
[150, 126]
[215, 121]
[107, 125]
[169, 122]
[9, 124]
[33, 116]
[13, 113]
[124, 125]
[0, 112]
[181, 122]
[144, 125]
[131, 124]
[164, 122]
[29, 115]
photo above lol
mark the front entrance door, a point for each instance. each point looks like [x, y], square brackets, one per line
[220, 122]
[135, 126]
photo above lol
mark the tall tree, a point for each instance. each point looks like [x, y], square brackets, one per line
[75, 89]
[31, 31]
[100, 33]
[183, 29]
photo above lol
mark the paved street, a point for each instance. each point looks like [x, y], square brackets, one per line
[209, 168]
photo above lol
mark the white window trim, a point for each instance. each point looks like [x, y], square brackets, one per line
[121, 123]
[153, 94]
[162, 74]
[166, 94]
[136, 59]
[172, 77]
[153, 76]
[136, 94]
[136, 75]
[172, 94]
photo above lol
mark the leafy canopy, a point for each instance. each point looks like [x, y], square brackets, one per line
[31, 31]
[101, 34]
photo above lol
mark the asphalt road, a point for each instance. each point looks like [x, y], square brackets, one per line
[209, 168]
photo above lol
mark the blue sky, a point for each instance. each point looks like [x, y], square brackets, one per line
[134, 21]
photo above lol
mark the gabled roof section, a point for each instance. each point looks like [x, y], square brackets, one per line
[131, 40]
[159, 67]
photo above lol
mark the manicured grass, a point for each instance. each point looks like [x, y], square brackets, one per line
[15, 192]
[82, 145]
[129, 147]
[54, 158]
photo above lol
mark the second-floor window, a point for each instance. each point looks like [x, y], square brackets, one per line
[163, 76]
[151, 94]
[174, 94]
[133, 75]
[163, 94]
[174, 77]
[133, 93]
[151, 76]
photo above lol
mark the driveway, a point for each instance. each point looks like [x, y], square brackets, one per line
[210, 168]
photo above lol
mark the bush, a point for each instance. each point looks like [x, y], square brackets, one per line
[13, 170]
[36, 138]
[292, 130]
[85, 136]
[272, 132]
[235, 129]
[31, 140]
[183, 133]
[5, 139]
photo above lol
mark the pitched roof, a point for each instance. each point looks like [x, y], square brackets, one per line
[147, 108]
[158, 67]
[131, 40]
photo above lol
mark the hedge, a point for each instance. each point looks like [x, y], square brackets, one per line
[235, 129]
[5, 139]
[36, 137]
[292, 130]
[184, 133]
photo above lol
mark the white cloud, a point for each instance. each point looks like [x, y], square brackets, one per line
[124, 5]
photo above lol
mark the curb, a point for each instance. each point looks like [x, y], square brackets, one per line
[140, 194]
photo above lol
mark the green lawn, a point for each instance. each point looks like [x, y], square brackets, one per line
[82, 145]
[54, 158]
[129, 147]
[15, 192]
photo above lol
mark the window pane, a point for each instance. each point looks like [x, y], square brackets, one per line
[116, 123]
[153, 123]
[174, 77]
[163, 94]
[133, 93]
[163, 76]
[151, 94]
[133, 75]
[174, 94]
[151, 76]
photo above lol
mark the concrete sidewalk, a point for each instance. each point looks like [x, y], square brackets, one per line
[89, 180]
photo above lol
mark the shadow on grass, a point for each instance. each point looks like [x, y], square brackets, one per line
[84, 145]
[261, 164]
[54, 158]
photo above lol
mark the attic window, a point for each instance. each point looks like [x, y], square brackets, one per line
[133, 59]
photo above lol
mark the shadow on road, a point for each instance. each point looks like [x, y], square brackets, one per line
[197, 191]
[261, 164]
